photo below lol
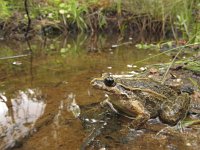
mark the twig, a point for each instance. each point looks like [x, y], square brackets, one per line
[28, 26]
[173, 61]
[28, 16]
[12, 57]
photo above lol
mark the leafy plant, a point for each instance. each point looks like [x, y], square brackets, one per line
[73, 12]
[4, 10]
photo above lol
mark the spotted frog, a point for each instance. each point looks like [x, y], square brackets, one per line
[144, 98]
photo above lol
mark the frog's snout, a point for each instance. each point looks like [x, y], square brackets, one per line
[96, 83]
[93, 82]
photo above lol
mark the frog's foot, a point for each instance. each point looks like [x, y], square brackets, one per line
[140, 120]
[125, 129]
[129, 132]
[163, 131]
[135, 125]
[171, 129]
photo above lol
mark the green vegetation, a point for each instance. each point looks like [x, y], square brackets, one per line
[193, 66]
[4, 11]
[177, 18]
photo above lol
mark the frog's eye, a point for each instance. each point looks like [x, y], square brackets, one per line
[109, 81]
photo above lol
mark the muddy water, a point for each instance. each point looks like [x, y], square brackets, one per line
[34, 92]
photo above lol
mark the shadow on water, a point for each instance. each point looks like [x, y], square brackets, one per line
[33, 103]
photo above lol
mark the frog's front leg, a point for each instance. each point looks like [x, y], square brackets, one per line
[107, 102]
[136, 109]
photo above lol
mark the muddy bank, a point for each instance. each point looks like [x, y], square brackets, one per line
[125, 17]
[17, 30]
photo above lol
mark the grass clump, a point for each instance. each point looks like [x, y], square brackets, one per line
[161, 17]
[177, 16]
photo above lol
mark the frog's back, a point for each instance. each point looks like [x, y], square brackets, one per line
[150, 85]
[152, 94]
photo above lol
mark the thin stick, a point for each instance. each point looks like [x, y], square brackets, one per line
[173, 61]
[28, 16]
[12, 57]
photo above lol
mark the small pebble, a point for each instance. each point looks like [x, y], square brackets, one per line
[129, 66]
[150, 76]
[134, 66]
[178, 80]
[93, 120]
[114, 46]
[16, 63]
[188, 144]
[130, 38]
[133, 72]
[143, 68]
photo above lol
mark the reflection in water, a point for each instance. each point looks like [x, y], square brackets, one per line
[17, 121]
[69, 104]
[72, 105]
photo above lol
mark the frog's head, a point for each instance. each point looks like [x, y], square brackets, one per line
[109, 84]
[103, 83]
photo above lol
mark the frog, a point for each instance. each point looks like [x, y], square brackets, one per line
[143, 98]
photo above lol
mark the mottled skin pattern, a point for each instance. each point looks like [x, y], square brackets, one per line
[143, 98]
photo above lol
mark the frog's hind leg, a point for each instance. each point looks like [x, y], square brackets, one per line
[172, 112]
[137, 109]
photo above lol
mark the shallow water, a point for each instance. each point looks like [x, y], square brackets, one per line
[34, 91]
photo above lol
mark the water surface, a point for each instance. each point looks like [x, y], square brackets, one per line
[34, 91]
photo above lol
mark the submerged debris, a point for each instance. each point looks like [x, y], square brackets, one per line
[72, 106]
